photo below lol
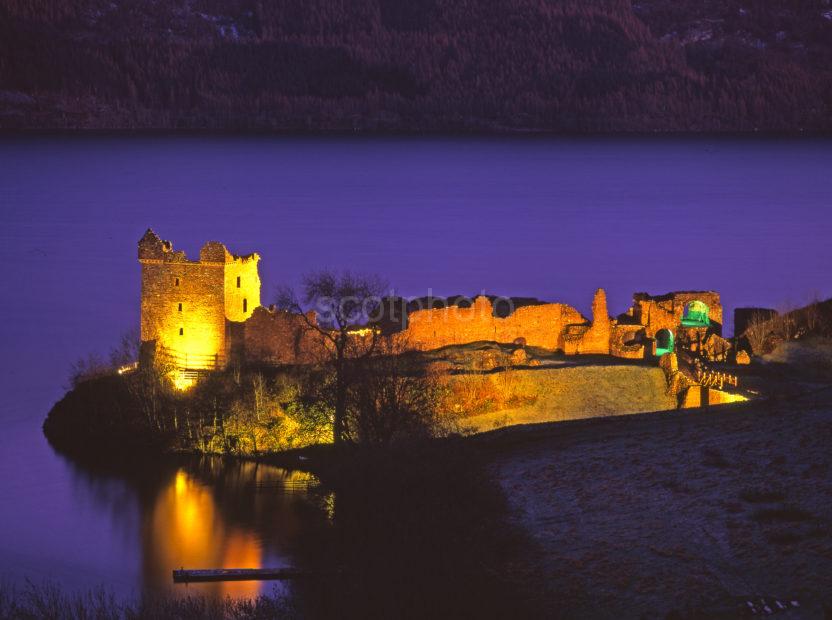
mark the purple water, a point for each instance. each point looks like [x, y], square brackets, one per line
[552, 219]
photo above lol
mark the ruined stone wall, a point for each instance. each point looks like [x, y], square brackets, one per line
[666, 311]
[210, 308]
[279, 337]
[597, 337]
[539, 325]
[626, 341]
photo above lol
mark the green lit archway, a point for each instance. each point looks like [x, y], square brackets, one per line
[696, 314]
[664, 342]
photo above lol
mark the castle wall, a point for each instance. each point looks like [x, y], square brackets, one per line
[280, 337]
[666, 311]
[597, 337]
[188, 317]
[242, 288]
[539, 325]
[207, 312]
[626, 341]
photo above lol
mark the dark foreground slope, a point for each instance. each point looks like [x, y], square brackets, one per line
[417, 65]
[678, 514]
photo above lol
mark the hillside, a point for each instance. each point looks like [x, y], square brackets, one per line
[417, 65]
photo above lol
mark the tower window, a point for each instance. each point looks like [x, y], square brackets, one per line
[181, 331]
[176, 282]
[238, 281]
[180, 306]
[245, 305]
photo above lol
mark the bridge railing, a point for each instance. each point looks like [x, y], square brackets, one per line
[712, 378]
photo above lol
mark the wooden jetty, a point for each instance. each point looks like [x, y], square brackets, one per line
[236, 574]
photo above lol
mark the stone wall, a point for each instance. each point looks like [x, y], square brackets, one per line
[627, 341]
[666, 311]
[537, 325]
[204, 311]
[593, 337]
[280, 337]
[182, 304]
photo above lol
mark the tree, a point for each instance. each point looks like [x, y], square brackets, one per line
[758, 331]
[341, 302]
[391, 397]
[812, 314]
[127, 350]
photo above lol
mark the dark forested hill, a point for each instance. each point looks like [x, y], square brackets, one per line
[418, 65]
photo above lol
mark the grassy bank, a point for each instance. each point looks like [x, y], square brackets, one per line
[533, 395]
[262, 410]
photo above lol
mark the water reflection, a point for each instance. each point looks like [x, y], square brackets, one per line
[185, 529]
[207, 513]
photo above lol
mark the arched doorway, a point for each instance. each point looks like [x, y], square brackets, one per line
[696, 314]
[664, 342]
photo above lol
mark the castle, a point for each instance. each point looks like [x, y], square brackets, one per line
[191, 311]
[202, 315]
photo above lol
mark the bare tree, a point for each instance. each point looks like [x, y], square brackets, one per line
[341, 302]
[127, 350]
[760, 327]
[812, 314]
[786, 326]
[87, 369]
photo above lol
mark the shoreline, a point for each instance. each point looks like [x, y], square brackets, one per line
[522, 487]
[530, 134]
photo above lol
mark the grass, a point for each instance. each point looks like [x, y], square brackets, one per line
[35, 601]
[547, 394]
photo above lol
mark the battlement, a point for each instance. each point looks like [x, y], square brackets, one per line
[154, 249]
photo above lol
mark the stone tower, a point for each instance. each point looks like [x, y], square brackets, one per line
[192, 311]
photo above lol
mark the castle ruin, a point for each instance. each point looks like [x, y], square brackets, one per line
[199, 315]
[192, 311]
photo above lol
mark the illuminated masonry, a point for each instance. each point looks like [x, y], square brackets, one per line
[193, 311]
[198, 315]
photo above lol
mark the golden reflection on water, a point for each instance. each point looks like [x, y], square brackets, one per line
[186, 527]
